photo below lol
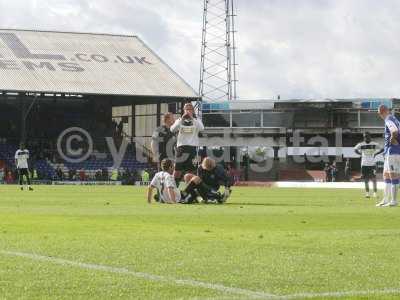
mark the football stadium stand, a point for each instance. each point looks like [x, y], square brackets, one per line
[110, 86]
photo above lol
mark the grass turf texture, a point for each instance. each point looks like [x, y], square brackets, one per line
[279, 241]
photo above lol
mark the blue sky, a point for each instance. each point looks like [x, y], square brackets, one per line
[295, 48]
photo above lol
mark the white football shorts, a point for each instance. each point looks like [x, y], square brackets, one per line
[392, 164]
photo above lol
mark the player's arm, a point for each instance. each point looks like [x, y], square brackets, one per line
[150, 193]
[393, 137]
[394, 132]
[381, 150]
[155, 139]
[154, 149]
[199, 124]
[177, 124]
[170, 185]
[357, 149]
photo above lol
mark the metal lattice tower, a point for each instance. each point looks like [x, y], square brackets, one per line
[218, 57]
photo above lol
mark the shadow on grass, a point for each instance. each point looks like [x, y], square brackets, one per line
[271, 204]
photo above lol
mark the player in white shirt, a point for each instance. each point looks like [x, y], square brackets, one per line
[164, 183]
[21, 161]
[368, 151]
[188, 128]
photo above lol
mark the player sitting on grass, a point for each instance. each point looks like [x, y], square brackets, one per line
[165, 184]
[210, 177]
[391, 168]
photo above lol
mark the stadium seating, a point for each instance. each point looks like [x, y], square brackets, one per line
[47, 169]
[7, 153]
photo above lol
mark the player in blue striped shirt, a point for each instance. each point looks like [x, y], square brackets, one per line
[391, 169]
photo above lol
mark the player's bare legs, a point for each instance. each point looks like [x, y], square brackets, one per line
[188, 178]
[375, 186]
[189, 193]
[178, 177]
[366, 182]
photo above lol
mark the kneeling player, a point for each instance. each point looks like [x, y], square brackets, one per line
[210, 177]
[165, 184]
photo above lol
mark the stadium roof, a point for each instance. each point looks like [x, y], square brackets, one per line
[85, 63]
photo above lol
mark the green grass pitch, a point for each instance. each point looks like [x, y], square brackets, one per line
[108, 243]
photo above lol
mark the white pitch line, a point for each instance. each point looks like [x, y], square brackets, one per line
[322, 295]
[342, 294]
[199, 284]
[146, 276]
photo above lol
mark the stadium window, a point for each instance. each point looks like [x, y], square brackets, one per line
[164, 108]
[311, 119]
[348, 120]
[278, 119]
[370, 119]
[172, 108]
[252, 119]
[121, 111]
[140, 125]
[216, 120]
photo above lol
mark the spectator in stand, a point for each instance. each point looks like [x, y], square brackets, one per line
[114, 175]
[328, 173]
[120, 128]
[98, 176]
[82, 175]
[9, 178]
[120, 174]
[60, 174]
[145, 176]
[114, 126]
[1, 175]
[126, 177]
[334, 172]
[104, 174]
[233, 173]
[70, 174]
[347, 170]
[34, 174]
[135, 176]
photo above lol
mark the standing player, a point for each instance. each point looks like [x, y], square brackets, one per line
[368, 151]
[165, 184]
[391, 168]
[163, 140]
[21, 161]
[188, 128]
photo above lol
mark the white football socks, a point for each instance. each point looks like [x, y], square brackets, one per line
[387, 191]
[395, 184]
